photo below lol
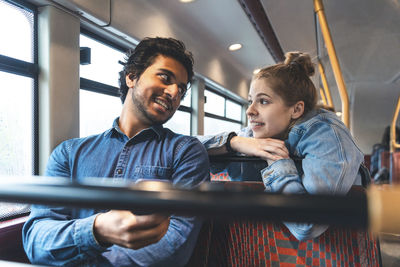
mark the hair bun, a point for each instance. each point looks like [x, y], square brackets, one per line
[302, 60]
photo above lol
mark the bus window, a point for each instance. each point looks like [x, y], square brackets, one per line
[18, 92]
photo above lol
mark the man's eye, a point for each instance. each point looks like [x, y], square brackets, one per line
[164, 77]
[182, 90]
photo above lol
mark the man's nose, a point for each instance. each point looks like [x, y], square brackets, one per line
[172, 91]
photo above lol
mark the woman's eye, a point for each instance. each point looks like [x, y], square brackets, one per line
[250, 102]
[264, 101]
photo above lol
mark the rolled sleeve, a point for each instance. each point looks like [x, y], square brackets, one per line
[282, 176]
[214, 141]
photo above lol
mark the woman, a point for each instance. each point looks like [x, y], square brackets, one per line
[308, 150]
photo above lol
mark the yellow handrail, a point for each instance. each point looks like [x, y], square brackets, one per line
[323, 98]
[326, 86]
[319, 9]
[393, 144]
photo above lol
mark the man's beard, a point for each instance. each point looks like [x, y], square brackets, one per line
[138, 102]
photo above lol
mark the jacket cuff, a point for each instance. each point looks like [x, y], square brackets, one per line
[279, 169]
[84, 236]
[217, 141]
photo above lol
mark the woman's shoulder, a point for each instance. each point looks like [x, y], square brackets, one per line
[323, 128]
[321, 125]
[319, 118]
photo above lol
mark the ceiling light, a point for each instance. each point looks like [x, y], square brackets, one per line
[234, 47]
[339, 114]
[256, 71]
[186, 1]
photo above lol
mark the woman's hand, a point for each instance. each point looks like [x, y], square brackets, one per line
[268, 149]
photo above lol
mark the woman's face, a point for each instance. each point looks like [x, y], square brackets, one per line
[267, 113]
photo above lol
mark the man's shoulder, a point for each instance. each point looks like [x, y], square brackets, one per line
[69, 144]
[180, 138]
[184, 142]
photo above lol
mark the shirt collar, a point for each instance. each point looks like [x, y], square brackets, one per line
[157, 129]
[307, 116]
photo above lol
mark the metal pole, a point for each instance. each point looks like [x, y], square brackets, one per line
[325, 84]
[393, 144]
[319, 9]
[322, 93]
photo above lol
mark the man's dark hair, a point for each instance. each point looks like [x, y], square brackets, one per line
[139, 59]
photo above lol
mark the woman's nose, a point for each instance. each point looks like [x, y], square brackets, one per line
[251, 111]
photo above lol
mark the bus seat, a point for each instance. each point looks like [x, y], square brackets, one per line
[367, 161]
[375, 158]
[11, 248]
[220, 176]
[245, 242]
[382, 176]
[395, 168]
[384, 160]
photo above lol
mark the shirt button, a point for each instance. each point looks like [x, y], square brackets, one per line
[119, 171]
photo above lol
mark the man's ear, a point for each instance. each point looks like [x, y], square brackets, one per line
[298, 110]
[130, 80]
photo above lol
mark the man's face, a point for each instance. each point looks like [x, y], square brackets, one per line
[157, 93]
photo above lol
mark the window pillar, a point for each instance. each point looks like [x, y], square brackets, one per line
[58, 43]
[197, 127]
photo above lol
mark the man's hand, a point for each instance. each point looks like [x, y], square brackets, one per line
[268, 149]
[125, 229]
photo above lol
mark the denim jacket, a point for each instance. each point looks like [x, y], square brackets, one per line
[324, 159]
[64, 236]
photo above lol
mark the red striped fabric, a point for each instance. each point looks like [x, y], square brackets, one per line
[256, 243]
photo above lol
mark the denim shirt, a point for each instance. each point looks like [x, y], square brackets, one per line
[324, 159]
[64, 236]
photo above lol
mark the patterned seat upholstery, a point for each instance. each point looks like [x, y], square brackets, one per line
[243, 242]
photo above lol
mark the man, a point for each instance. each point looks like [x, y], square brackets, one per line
[152, 84]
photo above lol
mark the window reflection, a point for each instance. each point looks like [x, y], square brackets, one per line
[233, 110]
[214, 126]
[16, 31]
[104, 66]
[97, 112]
[16, 109]
[215, 103]
[179, 123]
[187, 101]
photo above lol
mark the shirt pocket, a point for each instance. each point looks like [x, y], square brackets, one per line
[153, 172]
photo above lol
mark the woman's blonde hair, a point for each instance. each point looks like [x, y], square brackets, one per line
[291, 80]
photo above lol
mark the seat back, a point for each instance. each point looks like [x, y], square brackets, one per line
[243, 242]
[11, 248]
[395, 168]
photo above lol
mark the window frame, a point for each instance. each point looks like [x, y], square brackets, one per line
[226, 97]
[94, 86]
[30, 70]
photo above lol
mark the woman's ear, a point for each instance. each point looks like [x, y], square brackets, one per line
[130, 80]
[298, 110]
